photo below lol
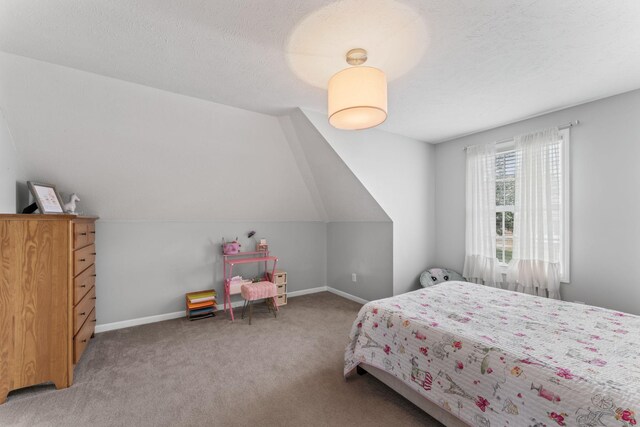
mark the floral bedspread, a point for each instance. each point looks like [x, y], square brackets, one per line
[498, 358]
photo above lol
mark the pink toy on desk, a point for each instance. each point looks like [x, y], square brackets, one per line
[231, 248]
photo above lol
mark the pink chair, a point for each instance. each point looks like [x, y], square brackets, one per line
[260, 290]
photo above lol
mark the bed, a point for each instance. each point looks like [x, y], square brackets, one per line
[480, 356]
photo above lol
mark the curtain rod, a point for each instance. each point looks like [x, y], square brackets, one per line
[564, 126]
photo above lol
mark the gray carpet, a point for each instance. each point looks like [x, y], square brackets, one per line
[276, 372]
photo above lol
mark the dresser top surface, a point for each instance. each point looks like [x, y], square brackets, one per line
[45, 217]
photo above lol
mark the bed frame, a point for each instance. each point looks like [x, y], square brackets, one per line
[437, 412]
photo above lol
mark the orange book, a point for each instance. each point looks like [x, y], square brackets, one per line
[191, 305]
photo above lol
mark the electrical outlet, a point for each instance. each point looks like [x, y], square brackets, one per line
[354, 277]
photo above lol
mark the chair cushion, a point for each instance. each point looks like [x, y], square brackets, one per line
[259, 290]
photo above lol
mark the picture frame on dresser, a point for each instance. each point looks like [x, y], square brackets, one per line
[46, 197]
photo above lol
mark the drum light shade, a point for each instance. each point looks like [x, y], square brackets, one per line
[357, 98]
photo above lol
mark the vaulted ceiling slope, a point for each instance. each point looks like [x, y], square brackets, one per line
[486, 63]
[338, 192]
[139, 153]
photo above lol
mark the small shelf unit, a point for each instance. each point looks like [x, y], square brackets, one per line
[279, 277]
[200, 304]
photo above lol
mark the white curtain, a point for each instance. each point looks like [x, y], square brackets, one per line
[535, 266]
[480, 263]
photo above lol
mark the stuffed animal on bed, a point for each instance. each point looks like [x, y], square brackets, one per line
[433, 276]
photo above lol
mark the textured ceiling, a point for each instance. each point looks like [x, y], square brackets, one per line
[393, 34]
[486, 63]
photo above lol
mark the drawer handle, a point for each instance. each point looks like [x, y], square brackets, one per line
[93, 253]
[83, 286]
[83, 234]
[82, 314]
[82, 260]
[93, 232]
[93, 275]
[93, 297]
[84, 340]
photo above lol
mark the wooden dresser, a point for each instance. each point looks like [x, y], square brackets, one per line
[47, 297]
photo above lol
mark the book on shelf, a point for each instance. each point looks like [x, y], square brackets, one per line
[197, 297]
[203, 299]
[197, 305]
[202, 316]
[201, 311]
[202, 294]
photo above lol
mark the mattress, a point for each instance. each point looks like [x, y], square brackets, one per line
[493, 357]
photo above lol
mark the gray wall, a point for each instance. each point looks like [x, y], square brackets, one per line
[364, 248]
[605, 199]
[145, 267]
[169, 175]
[399, 173]
[9, 168]
[359, 232]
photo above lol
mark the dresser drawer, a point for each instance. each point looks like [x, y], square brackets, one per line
[83, 309]
[281, 300]
[282, 289]
[82, 339]
[83, 258]
[80, 234]
[83, 282]
[91, 232]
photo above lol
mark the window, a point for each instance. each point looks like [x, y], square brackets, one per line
[506, 167]
[505, 204]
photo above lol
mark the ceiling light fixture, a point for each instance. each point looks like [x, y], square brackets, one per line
[357, 96]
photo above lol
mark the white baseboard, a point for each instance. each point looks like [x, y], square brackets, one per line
[306, 291]
[150, 319]
[178, 314]
[139, 321]
[347, 296]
